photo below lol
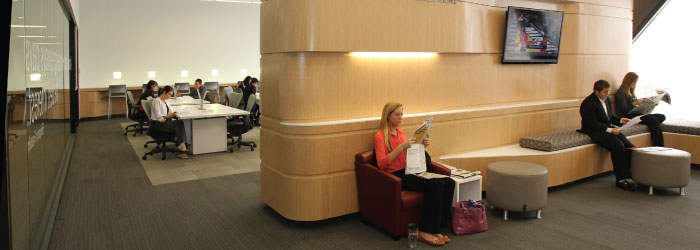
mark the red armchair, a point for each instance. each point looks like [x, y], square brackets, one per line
[382, 203]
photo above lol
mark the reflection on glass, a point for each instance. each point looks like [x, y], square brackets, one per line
[37, 77]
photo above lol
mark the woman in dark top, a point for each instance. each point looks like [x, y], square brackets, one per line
[245, 83]
[248, 90]
[626, 100]
[151, 91]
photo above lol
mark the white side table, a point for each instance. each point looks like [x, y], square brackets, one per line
[467, 188]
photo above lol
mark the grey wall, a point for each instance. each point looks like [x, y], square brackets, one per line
[167, 36]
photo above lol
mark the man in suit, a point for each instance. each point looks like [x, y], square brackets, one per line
[597, 121]
[202, 90]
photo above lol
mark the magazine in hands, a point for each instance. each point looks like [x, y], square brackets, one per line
[415, 155]
[423, 131]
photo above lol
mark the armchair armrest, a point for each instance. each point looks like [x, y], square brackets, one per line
[439, 168]
[378, 193]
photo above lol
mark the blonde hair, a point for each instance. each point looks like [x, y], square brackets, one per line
[389, 108]
[626, 85]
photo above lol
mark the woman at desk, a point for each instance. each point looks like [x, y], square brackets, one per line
[150, 91]
[626, 100]
[248, 90]
[390, 144]
[162, 116]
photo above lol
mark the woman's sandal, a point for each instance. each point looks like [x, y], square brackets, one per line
[436, 242]
[183, 156]
[445, 239]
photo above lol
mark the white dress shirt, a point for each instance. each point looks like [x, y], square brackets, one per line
[160, 108]
[605, 108]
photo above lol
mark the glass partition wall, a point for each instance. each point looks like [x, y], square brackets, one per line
[38, 81]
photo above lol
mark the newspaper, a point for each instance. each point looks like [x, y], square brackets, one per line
[429, 175]
[423, 131]
[632, 122]
[652, 149]
[415, 159]
[648, 104]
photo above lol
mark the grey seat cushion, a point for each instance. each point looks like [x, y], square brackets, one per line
[568, 139]
[681, 127]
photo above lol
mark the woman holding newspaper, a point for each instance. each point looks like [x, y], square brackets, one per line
[390, 146]
[625, 103]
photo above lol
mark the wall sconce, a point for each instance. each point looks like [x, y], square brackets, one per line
[244, 72]
[35, 77]
[184, 73]
[151, 74]
[117, 75]
[214, 72]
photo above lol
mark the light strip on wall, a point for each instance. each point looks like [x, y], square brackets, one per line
[27, 26]
[393, 54]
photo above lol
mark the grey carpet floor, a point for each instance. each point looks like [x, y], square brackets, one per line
[108, 203]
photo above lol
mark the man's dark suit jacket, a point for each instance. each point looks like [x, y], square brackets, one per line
[593, 118]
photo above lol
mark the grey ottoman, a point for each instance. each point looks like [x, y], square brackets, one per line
[661, 167]
[517, 186]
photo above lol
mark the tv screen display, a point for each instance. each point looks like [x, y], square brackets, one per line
[532, 35]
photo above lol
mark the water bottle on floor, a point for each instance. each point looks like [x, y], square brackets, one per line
[412, 235]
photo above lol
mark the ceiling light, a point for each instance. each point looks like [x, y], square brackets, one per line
[27, 26]
[117, 75]
[32, 36]
[393, 54]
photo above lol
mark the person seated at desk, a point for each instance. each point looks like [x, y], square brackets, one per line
[245, 82]
[151, 89]
[202, 90]
[597, 122]
[390, 144]
[248, 90]
[162, 116]
[626, 100]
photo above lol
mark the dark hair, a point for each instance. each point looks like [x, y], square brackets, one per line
[198, 81]
[150, 84]
[165, 89]
[600, 85]
[254, 80]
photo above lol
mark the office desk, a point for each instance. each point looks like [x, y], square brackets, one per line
[206, 129]
[185, 100]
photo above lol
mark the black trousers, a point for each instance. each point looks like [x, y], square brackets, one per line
[617, 145]
[653, 121]
[436, 210]
[176, 127]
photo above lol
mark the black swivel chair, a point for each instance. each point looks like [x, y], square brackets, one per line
[239, 125]
[136, 115]
[160, 138]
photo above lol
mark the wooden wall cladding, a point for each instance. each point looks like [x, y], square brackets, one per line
[400, 25]
[320, 104]
[304, 87]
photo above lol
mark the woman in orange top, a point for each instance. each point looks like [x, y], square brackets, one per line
[390, 144]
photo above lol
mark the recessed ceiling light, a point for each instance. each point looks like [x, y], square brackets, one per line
[151, 74]
[184, 73]
[214, 72]
[27, 26]
[34, 77]
[244, 72]
[117, 75]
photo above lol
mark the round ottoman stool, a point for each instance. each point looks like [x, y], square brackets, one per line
[517, 186]
[661, 167]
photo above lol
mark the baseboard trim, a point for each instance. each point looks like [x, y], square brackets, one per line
[49, 219]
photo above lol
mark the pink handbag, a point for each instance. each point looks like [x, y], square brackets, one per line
[469, 217]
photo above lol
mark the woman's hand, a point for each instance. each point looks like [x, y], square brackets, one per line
[426, 141]
[407, 144]
[638, 101]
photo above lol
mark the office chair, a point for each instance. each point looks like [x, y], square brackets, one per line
[160, 138]
[211, 88]
[140, 118]
[238, 126]
[183, 88]
[116, 91]
[227, 91]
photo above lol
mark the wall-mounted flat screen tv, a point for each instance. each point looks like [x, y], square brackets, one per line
[532, 35]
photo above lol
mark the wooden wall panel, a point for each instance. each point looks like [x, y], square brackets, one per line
[305, 87]
[688, 143]
[399, 25]
[327, 153]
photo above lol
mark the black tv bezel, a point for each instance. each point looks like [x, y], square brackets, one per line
[542, 61]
